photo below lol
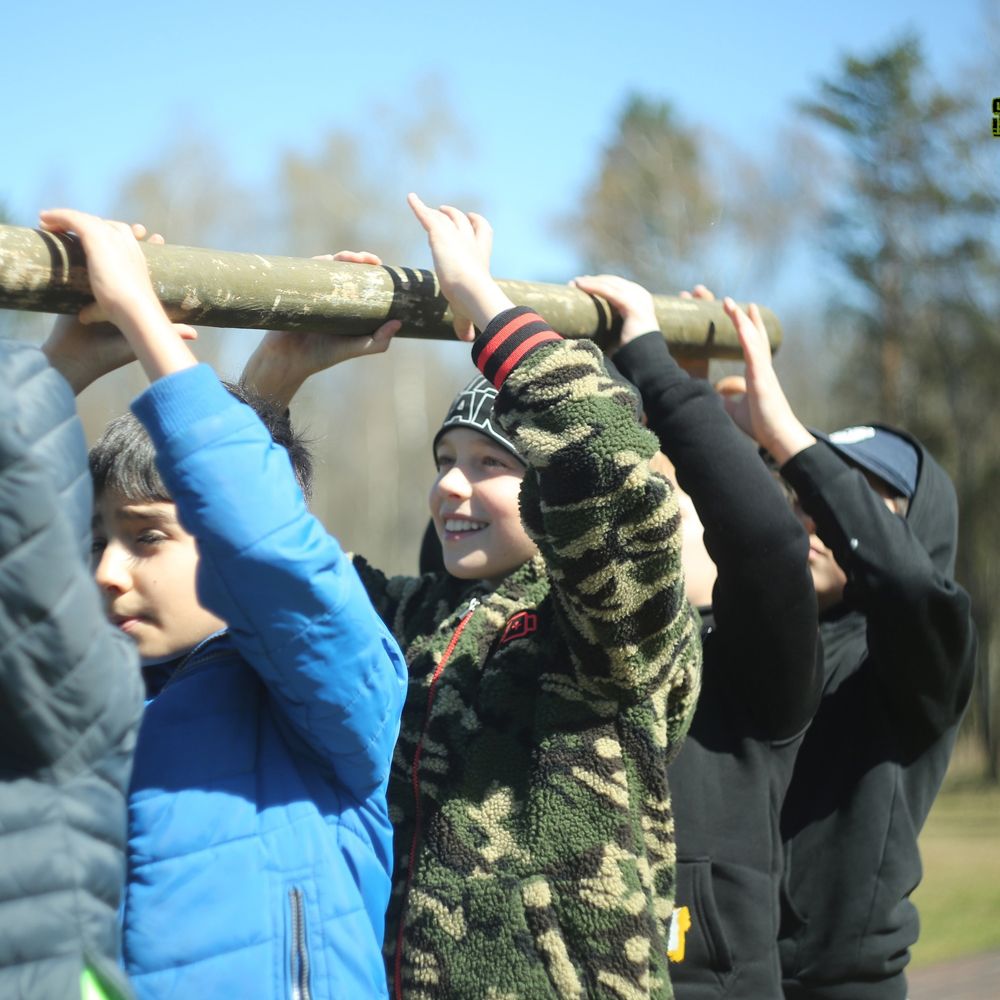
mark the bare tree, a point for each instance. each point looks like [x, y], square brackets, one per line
[372, 420]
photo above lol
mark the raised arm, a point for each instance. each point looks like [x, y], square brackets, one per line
[295, 607]
[918, 619]
[607, 526]
[763, 603]
[919, 626]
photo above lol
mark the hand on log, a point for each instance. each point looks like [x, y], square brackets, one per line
[84, 351]
[632, 303]
[757, 403]
[122, 290]
[461, 246]
[284, 359]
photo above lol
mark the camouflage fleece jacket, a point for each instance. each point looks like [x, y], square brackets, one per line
[534, 843]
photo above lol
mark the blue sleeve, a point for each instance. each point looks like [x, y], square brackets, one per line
[295, 607]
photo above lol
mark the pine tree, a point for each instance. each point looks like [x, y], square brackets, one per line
[915, 233]
[652, 201]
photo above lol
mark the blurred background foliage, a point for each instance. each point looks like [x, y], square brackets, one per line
[886, 171]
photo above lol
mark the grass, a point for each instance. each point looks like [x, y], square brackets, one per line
[959, 896]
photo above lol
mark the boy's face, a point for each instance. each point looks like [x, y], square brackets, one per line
[145, 564]
[828, 578]
[474, 505]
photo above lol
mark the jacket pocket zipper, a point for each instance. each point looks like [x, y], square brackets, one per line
[299, 951]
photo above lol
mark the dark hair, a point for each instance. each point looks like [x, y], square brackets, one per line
[124, 460]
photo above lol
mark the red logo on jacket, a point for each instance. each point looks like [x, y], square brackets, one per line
[522, 624]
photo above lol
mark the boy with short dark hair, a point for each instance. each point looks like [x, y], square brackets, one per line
[259, 840]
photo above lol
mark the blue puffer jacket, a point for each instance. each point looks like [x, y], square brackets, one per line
[260, 847]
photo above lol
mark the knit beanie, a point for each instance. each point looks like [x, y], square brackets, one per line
[472, 408]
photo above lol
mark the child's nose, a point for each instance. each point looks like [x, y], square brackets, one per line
[454, 483]
[112, 574]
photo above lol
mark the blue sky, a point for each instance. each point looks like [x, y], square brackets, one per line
[92, 91]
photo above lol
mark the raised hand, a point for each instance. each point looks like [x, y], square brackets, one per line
[763, 410]
[461, 246]
[284, 359]
[82, 353]
[631, 301]
[124, 294]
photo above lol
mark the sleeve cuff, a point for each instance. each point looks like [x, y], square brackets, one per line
[508, 339]
[176, 402]
[807, 471]
[646, 357]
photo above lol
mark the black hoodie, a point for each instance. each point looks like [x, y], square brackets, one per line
[900, 658]
[761, 682]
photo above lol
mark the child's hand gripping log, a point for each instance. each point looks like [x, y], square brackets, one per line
[82, 352]
[284, 359]
[461, 245]
[629, 300]
[119, 280]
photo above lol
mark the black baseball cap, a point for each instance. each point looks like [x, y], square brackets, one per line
[879, 450]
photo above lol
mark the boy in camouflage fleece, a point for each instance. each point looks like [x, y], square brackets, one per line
[533, 833]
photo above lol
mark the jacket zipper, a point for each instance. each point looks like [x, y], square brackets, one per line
[299, 952]
[473, 604]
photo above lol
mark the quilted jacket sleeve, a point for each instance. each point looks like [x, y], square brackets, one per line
[606, 524]
[294, 604]
[70, 701]
[70, 688]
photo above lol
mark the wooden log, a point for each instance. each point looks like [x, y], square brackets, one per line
[46, 272]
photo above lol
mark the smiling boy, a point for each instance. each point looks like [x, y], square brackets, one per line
[553, 668]
[259, 841]
[474, 499]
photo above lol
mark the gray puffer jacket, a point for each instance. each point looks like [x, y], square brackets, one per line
[70, 702]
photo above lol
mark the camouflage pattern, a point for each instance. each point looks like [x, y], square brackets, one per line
[544, 866]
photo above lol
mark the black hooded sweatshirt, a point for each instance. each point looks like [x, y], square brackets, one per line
[761, 683]
[900, 658]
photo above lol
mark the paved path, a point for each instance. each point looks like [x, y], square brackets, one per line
[974, 978]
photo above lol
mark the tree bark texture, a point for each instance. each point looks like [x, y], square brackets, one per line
[46, 272]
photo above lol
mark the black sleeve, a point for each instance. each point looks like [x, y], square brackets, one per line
[920, 634]
[70, 688]
[766, 638]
